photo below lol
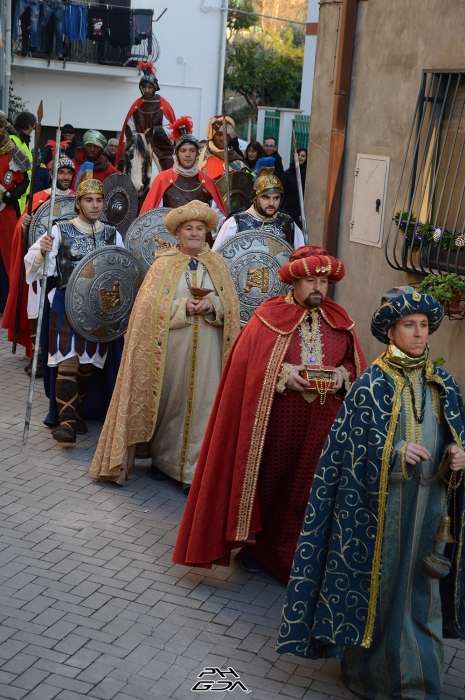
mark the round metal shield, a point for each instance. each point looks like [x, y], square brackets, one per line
[254, 258]
[146, 234]
[120, 205]
[241, 189]
[64, 207]
[101, 292]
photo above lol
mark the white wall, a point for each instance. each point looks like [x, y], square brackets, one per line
[309, 60]
[99, 97]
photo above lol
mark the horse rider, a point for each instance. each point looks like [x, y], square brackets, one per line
[152, 116]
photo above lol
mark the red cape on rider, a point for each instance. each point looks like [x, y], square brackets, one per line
[166, 178]
[167, 111]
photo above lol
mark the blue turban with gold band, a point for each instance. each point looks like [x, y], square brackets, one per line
[402, 301]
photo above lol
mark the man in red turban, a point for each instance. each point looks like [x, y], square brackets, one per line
[269, 424]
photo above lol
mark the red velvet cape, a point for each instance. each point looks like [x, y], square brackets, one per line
[167, 111]
[166, 178]
[17, 261]
[222, 510]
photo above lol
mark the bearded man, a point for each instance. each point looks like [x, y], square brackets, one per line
[211, 159]
[70, 354]
[264, 213]
[152, 116]
[30, 296]
[268, 425]
[365, 583]
[92, 151]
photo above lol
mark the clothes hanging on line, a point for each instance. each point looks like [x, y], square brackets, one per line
[53, 9]
[34, 25]
[141, 28]
[119, 25]
[75, 22]
[97, 23]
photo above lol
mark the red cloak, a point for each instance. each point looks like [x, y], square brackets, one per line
[222, 511]
[17, 261]
[166, 178]
[167, 111]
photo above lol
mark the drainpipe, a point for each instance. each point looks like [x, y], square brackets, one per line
[339, 125]
[222, 56]
[7, 49]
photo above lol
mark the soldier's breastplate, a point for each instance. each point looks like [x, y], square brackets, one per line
[282, 226]
[75, 245]
[183, 191]
[149, 114]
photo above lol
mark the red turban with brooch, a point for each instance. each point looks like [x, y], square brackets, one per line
[312, 261]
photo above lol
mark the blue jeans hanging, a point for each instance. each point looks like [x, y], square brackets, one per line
[33, 6]
[57, 9]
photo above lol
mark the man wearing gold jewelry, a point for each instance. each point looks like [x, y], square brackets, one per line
[67, 351]
[264, 213]
[182, 327]
[269, 424]
[377, 536]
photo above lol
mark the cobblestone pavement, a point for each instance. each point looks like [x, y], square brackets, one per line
[91, 604]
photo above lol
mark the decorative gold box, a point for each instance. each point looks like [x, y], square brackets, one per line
[320, 378]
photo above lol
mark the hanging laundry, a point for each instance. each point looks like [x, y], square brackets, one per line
[34, 26]
[141, 28]
[120, 25]
[97, 23]
[75, 22]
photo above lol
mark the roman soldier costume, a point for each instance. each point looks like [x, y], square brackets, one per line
[154, 114]
[71, 354]
[280, 224]
[178, 186]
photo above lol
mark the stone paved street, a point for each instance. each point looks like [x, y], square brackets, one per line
[90, 602]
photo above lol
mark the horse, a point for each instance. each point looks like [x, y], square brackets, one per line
[137, 158]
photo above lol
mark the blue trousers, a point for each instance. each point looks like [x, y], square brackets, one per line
[34, 26]
[56, 9]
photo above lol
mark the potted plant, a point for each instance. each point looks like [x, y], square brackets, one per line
[447, 288]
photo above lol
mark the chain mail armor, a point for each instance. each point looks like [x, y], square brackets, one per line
[75, 245]
[183, 191]
[282, 225]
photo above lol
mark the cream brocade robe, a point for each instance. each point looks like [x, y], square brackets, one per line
[169, 372]
[191, 378]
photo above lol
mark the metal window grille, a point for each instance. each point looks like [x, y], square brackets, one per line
[427, 231]
[301, 127]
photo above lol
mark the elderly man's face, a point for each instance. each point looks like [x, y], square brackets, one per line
[310, 291]
[92, 151]
[410, 334]
[112, 146]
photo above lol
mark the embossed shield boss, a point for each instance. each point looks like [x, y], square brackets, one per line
[120, 204]
[254, 258]
[64, 207]
[101, 292]
[146, 234]
[241, 188]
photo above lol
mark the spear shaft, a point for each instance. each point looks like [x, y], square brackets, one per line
[226, 165]
[43, 287]
[300, 190]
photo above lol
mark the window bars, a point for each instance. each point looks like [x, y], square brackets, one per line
[427, 231]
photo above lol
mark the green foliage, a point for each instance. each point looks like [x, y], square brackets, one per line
[443, 286]
[15, 103]
[240, 22]
[267, 71]
[416, 232]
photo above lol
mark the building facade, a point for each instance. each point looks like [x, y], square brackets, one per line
[387, 136]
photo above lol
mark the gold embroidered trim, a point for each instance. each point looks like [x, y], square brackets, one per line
[283, 377]
[403, 462]
[190, 389]
[413, 430]
[346, 378]
[278, 330]
[260, 425]
[382, 495]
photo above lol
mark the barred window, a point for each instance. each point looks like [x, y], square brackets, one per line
[427, 232]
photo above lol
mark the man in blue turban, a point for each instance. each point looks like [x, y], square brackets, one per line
[377, 535]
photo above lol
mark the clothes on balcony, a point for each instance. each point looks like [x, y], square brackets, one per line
[34, 26]
[119, 25]
[97, 23]
[75, 22]
[55, 9]
[141, 28]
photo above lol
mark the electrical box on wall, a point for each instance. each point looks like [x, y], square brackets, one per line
[371, 179]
